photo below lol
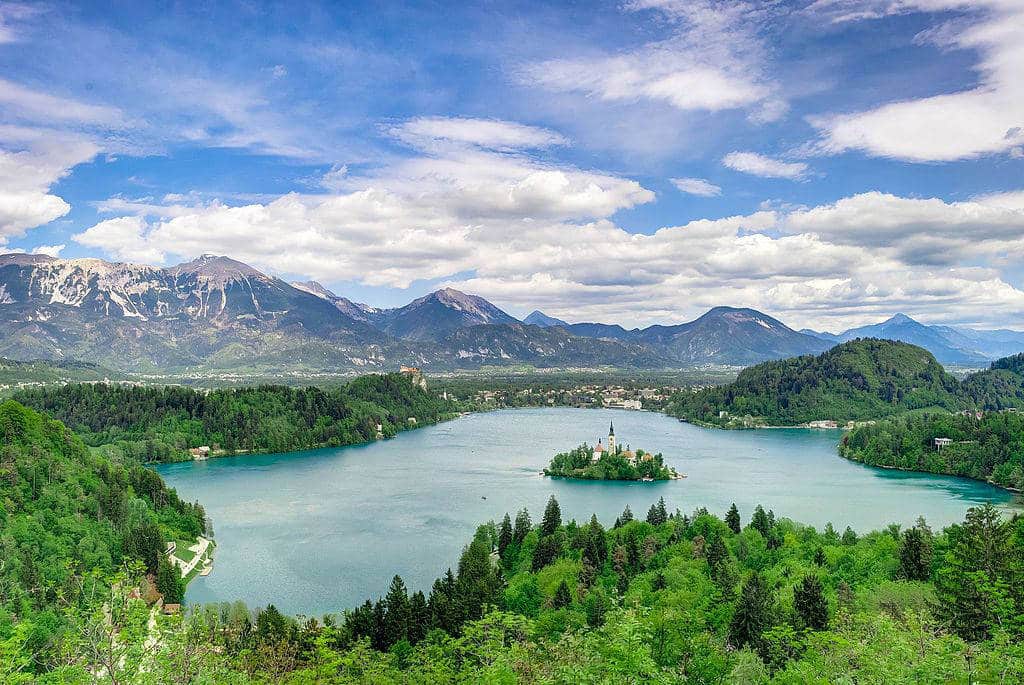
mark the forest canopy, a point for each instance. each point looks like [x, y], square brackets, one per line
[860, 380]
[161, 423]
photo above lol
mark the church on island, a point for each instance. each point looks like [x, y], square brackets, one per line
[615, 448]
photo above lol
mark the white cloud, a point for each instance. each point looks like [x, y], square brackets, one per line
[32, 104]
[491, 134]
[836, 265]
[122, 238]
[983, 120]
[759, 165]
[697, 186]
[31, 162]
[713, 61]
[49, 250]
[919, 231]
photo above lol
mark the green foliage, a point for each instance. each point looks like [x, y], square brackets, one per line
[580, 463]
[990, 448]
[858, 380]
[552, 517]
[64, 513]
[161, 423]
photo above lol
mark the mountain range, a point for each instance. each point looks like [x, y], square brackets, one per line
[215, 313]
[949, 345]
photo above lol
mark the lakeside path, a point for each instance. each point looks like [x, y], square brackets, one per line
[202, 544]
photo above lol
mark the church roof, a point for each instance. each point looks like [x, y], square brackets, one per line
[599, 447]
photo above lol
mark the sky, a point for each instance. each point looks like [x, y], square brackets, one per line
[828, 162]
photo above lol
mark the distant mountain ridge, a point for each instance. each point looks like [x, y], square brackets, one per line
[950, 345]
[214, 312]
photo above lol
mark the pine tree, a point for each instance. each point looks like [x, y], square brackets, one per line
[595, 546]
[849, 537]
[379, 637]
[916, 552]
[145, 542]
[169, 582]
[552, 518]
[716, 554]
[732, 519]
[443, 608]
[760, 522]
[657, 515]
[810, 603]
[976, 587]
[563, 596]
[754, 612]
[271, 624]
[523, 526]
[627, 515]
[819, 557]
[504, 535]
[547, 550]
[396, 612]
[419, 617]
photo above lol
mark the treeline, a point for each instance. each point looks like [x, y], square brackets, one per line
[673, 598]
[162, 423]
[855, 381]
[990, 448]
[65, 513]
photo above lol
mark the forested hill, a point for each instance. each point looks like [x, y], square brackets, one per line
[65, 512]
[861, 379]
[989, 448]
[161, 423]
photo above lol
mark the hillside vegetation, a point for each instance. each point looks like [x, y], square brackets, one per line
[855, 381]
[990, 448]
[670, 599]
[66, 512]
[161, 423]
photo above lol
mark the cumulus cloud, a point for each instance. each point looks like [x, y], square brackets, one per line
[759, 165]
[983, 120]
[919, 231]
[697, 186]
[835, 265]
[31, 162]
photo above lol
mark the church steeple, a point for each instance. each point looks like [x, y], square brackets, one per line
[611, 437]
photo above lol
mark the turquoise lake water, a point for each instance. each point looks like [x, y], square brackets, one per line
[320, 531]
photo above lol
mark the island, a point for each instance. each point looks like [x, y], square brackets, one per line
[610, 463]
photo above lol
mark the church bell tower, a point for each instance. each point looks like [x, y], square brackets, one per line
[611, 437]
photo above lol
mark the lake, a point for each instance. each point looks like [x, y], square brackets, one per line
[320, 531]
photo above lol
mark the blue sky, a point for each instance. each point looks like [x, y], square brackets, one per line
[829, 162]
